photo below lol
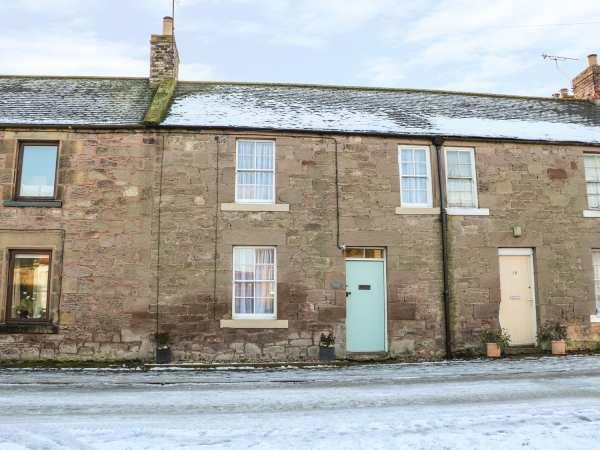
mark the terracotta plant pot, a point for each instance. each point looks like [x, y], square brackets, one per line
[493, 350]
[559, 347]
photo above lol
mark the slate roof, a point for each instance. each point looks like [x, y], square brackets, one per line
[382, 111]
[124, 101]
[73, 101]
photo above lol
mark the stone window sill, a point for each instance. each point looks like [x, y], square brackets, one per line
[28, 328]
[417, 211]
[591, 213]
[468, 211]
[256, 207]
[32, 203]
[254, 323]
[595, 318]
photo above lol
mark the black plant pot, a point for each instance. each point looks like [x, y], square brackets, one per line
[163, 355]
[326, 353]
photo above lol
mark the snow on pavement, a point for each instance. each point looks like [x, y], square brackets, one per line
[541, 403]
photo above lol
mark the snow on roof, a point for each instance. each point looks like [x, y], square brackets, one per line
[73, 101]
[385, 111]
[36, 100]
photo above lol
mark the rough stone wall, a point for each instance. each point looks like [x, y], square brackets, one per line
[107, 183]
[311, 272]
[109, 227]
[540, 188]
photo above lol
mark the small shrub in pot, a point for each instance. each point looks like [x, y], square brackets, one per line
[496, 342]
[553, 334]
[326, 347]
[163, 351]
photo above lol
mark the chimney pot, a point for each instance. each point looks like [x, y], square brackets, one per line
[586, 85]
[167, 26]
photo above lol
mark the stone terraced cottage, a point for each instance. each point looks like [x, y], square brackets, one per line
[240, 221]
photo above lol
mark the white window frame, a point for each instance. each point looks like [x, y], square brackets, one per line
[429, 203]
[471, 152]
[587, 200]
[274, 170]
[255, 316]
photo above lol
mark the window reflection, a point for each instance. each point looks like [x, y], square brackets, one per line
[38, 171]
[29, 285]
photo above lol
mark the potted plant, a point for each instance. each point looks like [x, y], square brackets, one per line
[163, 351]
[496, 342]
[326, 347]
[555, 334]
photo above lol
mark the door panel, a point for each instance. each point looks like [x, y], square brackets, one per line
[517, 302]
[365, 306]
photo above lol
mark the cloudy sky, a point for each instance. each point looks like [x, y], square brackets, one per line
[467, 45]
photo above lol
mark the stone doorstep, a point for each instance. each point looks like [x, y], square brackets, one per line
[368, 356]
[523, 350]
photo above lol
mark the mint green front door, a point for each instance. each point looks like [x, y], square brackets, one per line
[365, 306]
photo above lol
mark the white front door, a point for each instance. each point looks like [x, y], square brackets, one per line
[517, 295]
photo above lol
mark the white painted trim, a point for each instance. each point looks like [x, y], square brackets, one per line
[529, 253]
[253, 202]
[253, 316]
[591, 213]
[471, 152]
[429, 203]
[385, 292]
[364, 259]
[595, 317]
[417, 211]
[253, 323]
[468, 211]
[270, 207]
[533, 296]
[515, 252]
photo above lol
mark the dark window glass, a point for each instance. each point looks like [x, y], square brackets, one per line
[37, 176]
[28, 287]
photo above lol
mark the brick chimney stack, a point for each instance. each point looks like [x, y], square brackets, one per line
[164, 57]
[586, 85]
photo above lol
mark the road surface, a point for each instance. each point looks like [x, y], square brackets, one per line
[547, 403]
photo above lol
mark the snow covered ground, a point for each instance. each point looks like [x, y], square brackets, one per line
[542, 403]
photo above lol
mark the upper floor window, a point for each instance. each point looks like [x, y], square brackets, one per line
[254, 282]
[255, 172]
[591, 163]
[36, 172]
[461, 182]
[415, 177]
[28, 283]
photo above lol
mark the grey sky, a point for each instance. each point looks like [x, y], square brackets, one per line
[469, 45]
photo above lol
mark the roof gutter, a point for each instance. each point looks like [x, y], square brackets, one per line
[438, 142]
[169, 128]
[429, 137]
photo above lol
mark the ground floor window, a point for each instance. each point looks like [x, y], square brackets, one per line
[28, 285]
[254, 282]
[596, 261]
